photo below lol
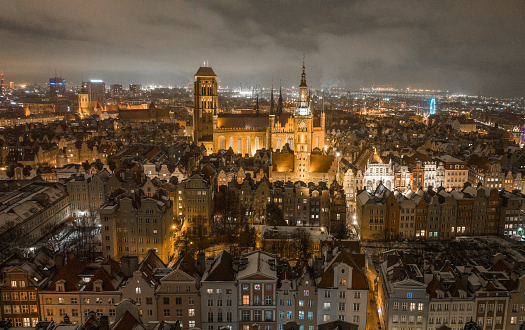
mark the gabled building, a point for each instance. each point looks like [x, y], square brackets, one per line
[19, 303]
[218, 292]
[450, 302]
[141, 283]
[402, 298]
[343, 290]
[178, 295]
[257, 283]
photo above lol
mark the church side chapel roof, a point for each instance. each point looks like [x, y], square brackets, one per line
[283, 162]
[243, 121]
[321, 163]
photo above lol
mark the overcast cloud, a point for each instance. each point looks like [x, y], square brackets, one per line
[460, 46]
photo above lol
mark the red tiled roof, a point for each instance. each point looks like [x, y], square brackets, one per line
[108, 281]
[223, 271]
[501, 266]
[128, 322]
[358, 278]
[69, 273]
[187, 265]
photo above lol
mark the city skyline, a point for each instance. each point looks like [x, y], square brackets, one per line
[470, 49]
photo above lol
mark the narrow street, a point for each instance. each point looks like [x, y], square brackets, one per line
[372, 318]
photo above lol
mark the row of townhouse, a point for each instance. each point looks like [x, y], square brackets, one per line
[417, 295]
[416, 171]
[439, 215]
[260, 289]
[420, 171]
[213, 293]
[43, 288]
[301, 205]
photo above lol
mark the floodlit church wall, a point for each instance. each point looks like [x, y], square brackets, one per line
[250, 139]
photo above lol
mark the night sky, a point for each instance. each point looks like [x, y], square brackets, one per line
[460, 46]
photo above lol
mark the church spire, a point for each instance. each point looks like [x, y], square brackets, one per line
[280, 101]
[303, 76]
[302, 102]
[271, 101]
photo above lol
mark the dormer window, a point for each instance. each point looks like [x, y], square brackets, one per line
[97, 286]
[61, 286]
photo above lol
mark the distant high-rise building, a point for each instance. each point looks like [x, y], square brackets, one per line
[97, 90]
[135, 90]
[12, 85]
[115, 90]
[57, 86]
[1, 84]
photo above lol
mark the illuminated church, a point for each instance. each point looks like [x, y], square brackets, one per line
[301, 131]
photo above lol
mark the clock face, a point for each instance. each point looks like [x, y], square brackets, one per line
[302, 124]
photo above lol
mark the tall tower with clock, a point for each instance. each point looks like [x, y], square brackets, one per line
[303, 121]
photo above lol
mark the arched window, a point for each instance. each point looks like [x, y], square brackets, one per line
[239, 146]
[265, 142]
[290, 142]
[256, 143]
[317, 141]
[248, 146]
[231, 143]
[278, 146]
[221, 142]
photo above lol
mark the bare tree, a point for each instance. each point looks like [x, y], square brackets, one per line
[303, 245]
[86, 229]
[8, 238]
